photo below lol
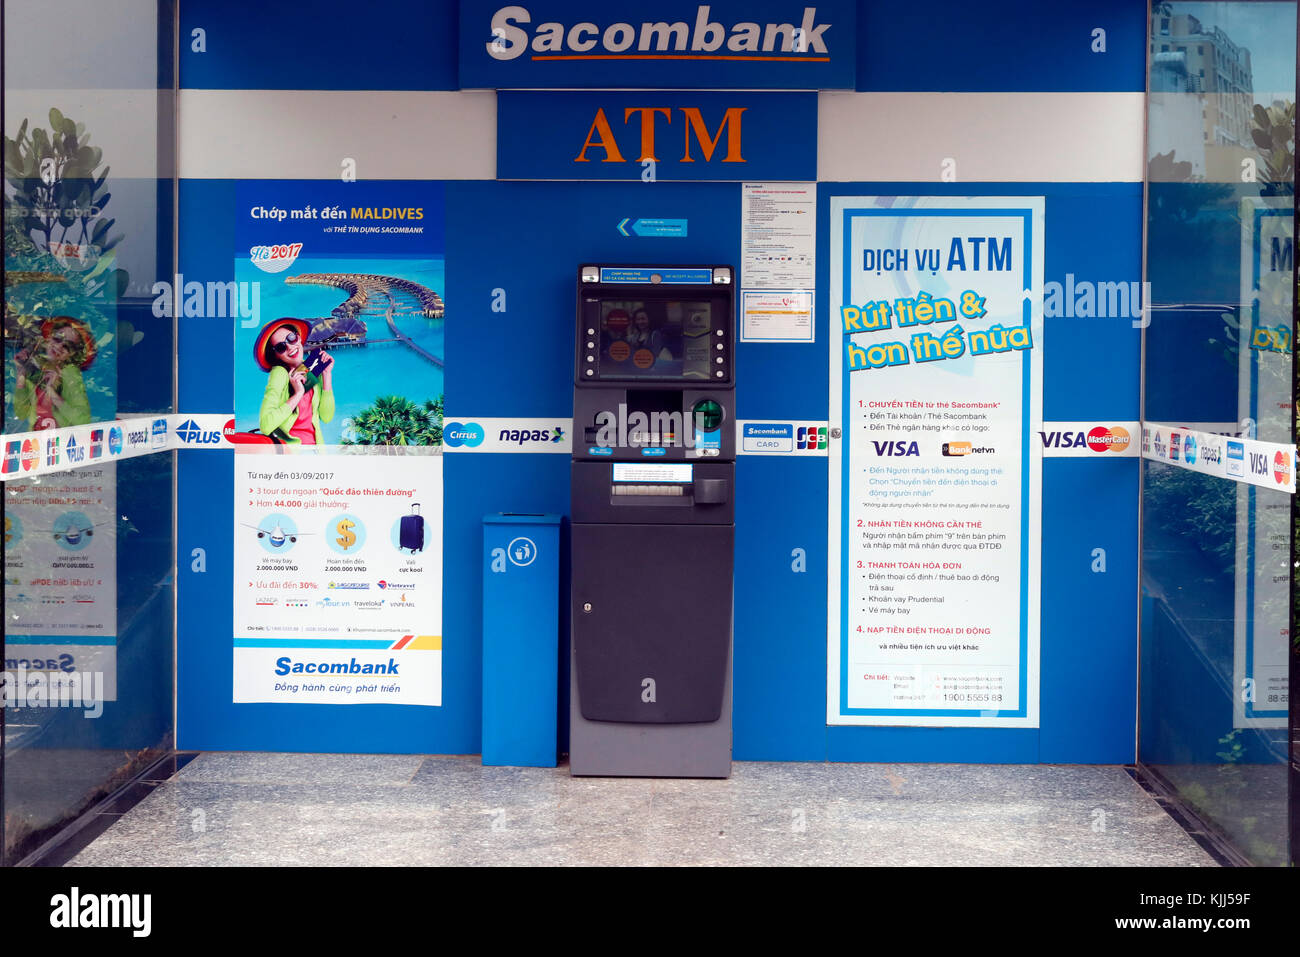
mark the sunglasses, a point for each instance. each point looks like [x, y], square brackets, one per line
[283, 345]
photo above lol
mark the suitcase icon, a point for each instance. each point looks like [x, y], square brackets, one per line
[411, 533]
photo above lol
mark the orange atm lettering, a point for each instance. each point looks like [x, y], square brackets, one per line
[600, 127]
[647, 128]
[730, 122]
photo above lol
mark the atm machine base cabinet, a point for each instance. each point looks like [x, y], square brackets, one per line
[614, 749]
[650, 651]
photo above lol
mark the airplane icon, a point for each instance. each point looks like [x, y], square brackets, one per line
[276, 537]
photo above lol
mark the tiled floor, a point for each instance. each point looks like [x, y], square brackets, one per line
[290, 809]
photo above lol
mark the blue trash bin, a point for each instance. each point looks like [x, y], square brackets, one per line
[521, 634]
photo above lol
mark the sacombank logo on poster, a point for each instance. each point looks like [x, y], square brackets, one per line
[585, 44]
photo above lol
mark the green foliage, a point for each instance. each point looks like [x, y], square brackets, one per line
[1201, 509]
[1273, 130]
[396, 420]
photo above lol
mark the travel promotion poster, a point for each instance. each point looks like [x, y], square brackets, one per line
[338, 430]
[936, 380]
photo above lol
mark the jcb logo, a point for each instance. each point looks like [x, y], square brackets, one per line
[652, 120]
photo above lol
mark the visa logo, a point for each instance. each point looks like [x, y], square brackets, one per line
[1063, 440]
[899, 447]
[1258, 463]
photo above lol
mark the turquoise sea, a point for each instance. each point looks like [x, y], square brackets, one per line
[361, 373]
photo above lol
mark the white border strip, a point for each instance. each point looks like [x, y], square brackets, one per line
[1265, 464]
[796, 438]
[981, 137]
[1091, 440]
[389, 135]
[29, 454]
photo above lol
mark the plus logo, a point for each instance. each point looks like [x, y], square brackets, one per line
[191, 433]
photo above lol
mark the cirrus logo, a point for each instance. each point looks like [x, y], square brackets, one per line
[470, 434]
[114, 441]
[1189, 449]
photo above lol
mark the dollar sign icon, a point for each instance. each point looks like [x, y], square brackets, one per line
[346, 539]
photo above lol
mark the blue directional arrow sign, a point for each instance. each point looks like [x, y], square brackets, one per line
[661, 228]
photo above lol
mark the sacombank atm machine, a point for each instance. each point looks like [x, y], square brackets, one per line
[653, 527]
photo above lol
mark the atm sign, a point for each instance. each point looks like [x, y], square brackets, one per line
[655, 136]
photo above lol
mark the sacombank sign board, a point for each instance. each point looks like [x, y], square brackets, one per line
[589, 44]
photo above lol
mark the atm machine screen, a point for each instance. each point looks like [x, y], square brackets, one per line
[666, 339]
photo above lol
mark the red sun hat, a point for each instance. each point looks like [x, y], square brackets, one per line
[88, 349]
[262, 347]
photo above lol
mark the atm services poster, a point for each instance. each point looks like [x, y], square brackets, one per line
[1261, 631]
[936, 381]
[338, 578]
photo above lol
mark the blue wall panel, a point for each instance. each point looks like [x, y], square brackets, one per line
[1012, 45]
[779, 709]
[324, 45]
[1089, 634]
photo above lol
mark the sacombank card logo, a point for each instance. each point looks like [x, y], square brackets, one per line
[159, 433]
[1236, 458]
[470, 434]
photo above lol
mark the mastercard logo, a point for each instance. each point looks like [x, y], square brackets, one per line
[1282, 467]
[30, 455]
[1102, 439]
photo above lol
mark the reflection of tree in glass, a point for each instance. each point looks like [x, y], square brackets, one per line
[59, 254]
[396, 420]
[1273, 130]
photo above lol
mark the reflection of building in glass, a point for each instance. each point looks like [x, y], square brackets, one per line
[1174, 120]
[1214, 66]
